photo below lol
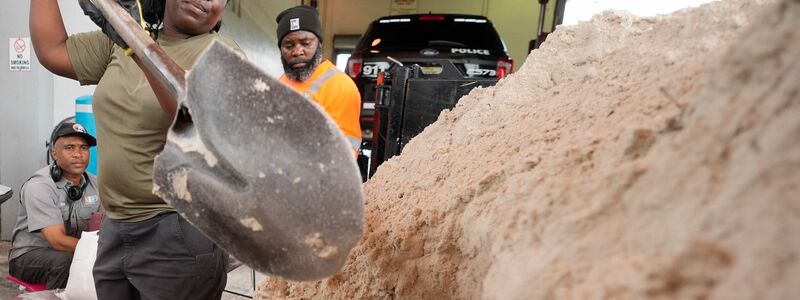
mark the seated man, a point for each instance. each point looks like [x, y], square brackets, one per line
[57, 203]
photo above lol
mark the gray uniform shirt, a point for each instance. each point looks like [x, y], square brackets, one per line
[44, 203]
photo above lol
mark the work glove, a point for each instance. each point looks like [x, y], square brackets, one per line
[132, 6]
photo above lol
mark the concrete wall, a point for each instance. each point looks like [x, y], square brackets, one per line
[65, 91]
[254, 30]
[452, 6]
[515, 20]
[348, 17]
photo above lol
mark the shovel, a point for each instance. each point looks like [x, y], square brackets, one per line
[258, 168]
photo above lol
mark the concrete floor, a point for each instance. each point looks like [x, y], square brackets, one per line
[8, 289]
[239, 281]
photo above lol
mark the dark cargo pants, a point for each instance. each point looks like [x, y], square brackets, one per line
[164, 257]
[43, 265]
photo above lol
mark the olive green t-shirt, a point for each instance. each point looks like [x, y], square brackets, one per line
[131, 126]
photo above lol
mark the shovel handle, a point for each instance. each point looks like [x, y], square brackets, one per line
[171, 76]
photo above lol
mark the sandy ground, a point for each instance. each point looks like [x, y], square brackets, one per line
[629, 158]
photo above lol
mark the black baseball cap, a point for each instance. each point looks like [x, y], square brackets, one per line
[69, 128]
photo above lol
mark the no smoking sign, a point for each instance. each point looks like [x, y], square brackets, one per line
[20, 45]
[19, 54]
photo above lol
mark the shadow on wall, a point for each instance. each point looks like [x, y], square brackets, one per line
[260, 46]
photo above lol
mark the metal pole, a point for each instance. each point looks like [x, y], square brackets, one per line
[540, 32]
[542, 9]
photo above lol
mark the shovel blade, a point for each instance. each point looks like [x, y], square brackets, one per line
[261, 170]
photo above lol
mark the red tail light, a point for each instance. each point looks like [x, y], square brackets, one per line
[354, 66]
[434, 18]
[504, 67]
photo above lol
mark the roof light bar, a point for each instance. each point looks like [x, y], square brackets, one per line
[464, 20]
[398, 20]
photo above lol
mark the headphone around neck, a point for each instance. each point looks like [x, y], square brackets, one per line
[74, 192]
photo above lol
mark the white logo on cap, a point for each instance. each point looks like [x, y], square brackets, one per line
[294, 24]
[78, 128]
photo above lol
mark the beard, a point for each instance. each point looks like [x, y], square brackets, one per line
[303, 73]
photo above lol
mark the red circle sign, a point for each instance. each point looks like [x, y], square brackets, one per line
[19, 45]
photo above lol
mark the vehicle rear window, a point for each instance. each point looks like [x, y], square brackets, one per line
[409, 32]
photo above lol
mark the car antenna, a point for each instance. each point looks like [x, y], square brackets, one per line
[394, 60]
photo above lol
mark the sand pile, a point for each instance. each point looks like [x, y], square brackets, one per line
[646, 158]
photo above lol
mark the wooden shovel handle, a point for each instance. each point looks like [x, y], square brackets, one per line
[153, 58]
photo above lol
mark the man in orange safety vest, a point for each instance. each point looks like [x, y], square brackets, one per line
[300, 41]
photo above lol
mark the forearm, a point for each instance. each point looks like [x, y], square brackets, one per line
[49, 37]
[58, 239]
[65, 244]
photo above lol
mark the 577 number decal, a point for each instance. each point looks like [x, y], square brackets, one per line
[481, 72]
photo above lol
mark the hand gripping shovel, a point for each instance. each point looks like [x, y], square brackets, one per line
[258, 168]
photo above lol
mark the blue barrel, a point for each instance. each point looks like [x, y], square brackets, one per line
[85, 116]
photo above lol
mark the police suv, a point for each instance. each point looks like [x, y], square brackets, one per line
[470, 42]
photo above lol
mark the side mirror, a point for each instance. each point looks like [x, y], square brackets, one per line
[5, 193]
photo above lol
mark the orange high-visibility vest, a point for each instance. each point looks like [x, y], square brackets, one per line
[337, 94]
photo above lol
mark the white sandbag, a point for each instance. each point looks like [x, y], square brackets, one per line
[41, 295]
[80, 285]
